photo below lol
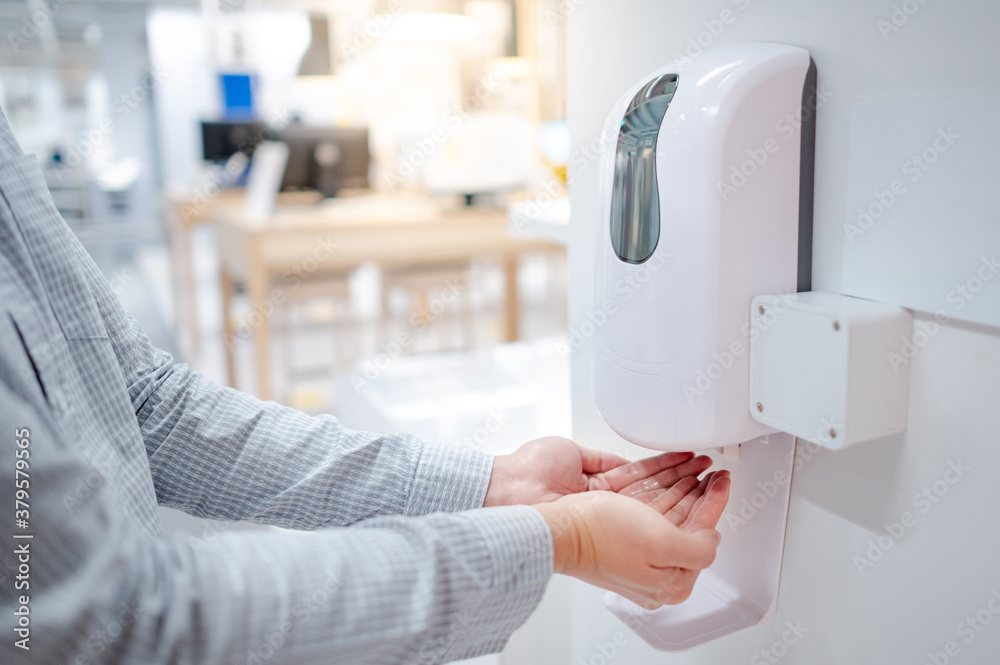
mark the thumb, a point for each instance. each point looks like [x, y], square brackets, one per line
[709, 509]
[597, 461]
[696, 551]
[712, 535]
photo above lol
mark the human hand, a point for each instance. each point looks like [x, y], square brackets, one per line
[552, 467]
[650, 553]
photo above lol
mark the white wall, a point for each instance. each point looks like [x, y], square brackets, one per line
[944, 568]
[188, 89]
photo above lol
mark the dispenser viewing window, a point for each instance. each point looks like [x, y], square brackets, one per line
[706, 202]
[635, 205]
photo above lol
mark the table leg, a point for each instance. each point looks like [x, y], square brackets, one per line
[512, 305]
[182, 276]
[258, 281]
[228, 331]
[188, 285]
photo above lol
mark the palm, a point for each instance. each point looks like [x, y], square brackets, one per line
[545, 469]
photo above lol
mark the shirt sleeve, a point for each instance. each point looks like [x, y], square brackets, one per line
[389, 590]
[218, 453]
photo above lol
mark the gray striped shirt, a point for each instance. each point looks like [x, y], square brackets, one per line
[113, 426]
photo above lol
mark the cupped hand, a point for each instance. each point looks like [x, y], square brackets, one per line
[552, 467]
[627, 546]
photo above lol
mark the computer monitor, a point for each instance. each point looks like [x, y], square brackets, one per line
[326, 159]
[221, 140]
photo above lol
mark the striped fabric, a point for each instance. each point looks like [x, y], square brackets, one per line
[394, 560]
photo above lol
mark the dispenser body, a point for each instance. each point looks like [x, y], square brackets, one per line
[701, 211]
[706, 202]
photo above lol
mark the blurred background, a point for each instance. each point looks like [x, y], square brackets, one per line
[346, 206]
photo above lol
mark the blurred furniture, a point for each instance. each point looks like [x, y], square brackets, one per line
[418, 283]
[184, 212]
[299, 243]
[221, 140]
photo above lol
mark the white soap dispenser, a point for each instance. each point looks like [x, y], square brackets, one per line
[706, 202]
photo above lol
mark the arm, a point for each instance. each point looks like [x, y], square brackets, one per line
[215, 452]
[391, 590]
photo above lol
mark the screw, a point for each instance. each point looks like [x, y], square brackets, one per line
[760, 407]
[836, 325]
[760, 308]
[833, 433]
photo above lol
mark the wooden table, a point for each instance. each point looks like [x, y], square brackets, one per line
[298, 243]
[183, 213]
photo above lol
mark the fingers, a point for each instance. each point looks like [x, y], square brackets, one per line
[678, 513]
[657, 472]
[597, 461]
[664, 500]
[667, 477]
[708, 510]
[623, 476]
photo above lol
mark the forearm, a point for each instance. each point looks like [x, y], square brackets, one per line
[215, 452]
[428, 590]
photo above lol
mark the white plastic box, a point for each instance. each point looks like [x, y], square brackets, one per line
[829, 368]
